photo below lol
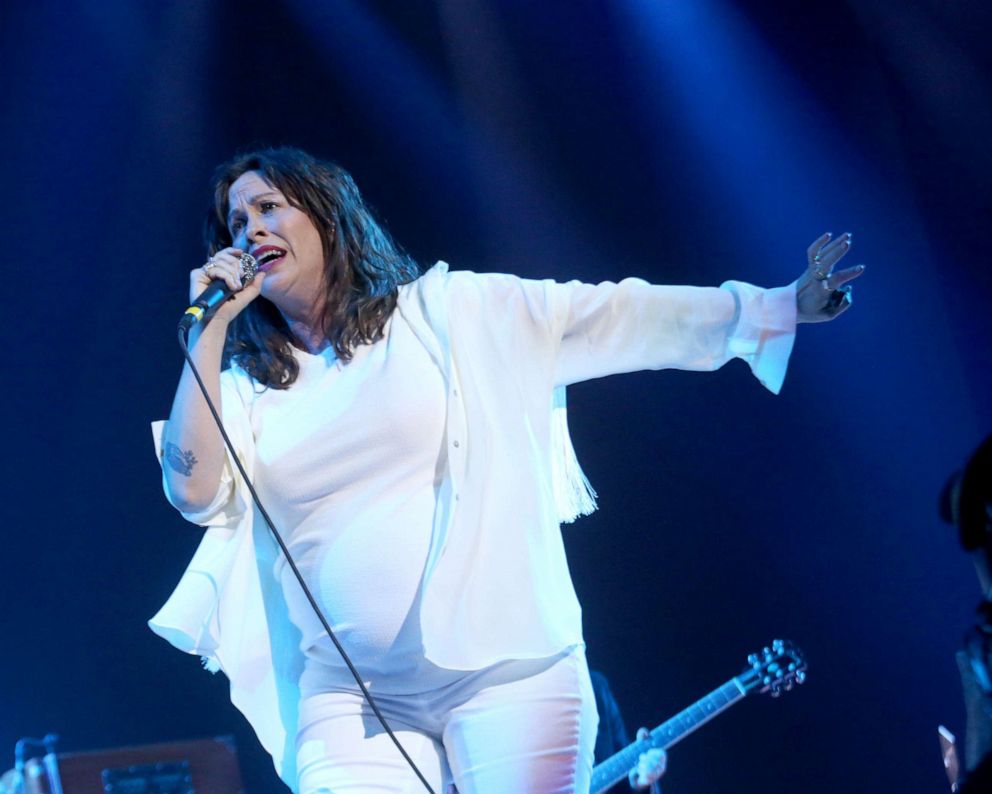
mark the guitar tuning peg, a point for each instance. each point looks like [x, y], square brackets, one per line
[778, 646]
[776, 693]
[801, 677]
[753, 660]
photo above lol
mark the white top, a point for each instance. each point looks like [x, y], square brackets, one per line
[347, 463]
[496, 583]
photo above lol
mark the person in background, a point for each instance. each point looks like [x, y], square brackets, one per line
[612, 737]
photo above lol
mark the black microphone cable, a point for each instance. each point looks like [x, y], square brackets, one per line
[183, 330]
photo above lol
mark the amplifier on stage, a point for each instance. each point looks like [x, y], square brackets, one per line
[203, 766]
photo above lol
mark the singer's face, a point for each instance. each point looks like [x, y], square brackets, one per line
[281, 237]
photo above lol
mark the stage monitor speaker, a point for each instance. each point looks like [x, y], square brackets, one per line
[204, 766]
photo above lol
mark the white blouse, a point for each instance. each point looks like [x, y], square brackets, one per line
[347, 463]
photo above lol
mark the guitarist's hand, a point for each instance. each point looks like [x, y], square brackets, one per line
[651, 765]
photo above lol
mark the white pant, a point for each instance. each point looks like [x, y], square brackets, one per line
[526, 727]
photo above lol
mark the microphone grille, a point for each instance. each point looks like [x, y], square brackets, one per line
[249, 267]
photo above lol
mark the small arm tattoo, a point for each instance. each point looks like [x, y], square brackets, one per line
[180, 460]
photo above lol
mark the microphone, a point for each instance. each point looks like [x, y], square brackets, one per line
[214, 295]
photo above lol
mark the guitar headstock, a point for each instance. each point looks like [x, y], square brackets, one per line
[776, 669]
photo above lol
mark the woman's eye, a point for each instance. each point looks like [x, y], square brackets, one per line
[267, 206]
[236, 226]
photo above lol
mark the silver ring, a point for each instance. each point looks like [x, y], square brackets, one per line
[814, 265]
[209, 266]
[248, 267]
[838, 298]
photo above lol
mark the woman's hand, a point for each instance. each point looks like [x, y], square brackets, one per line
[821, 292]
[225, 266]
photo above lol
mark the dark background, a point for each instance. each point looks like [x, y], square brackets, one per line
[685, 142]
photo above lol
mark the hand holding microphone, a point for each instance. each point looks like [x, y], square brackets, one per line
[229, 271]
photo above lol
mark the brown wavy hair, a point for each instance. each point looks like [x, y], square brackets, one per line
[363, 267]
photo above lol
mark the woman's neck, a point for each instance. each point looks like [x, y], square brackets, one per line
[308, 331]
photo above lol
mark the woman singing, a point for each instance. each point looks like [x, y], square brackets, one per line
[406, 432]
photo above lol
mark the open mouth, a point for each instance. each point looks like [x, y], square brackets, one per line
[268, 256]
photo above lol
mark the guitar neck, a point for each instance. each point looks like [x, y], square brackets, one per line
[667, 734]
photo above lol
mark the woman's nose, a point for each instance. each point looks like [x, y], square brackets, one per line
[256, 228]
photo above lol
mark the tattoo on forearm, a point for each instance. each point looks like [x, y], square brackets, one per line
[180, 460]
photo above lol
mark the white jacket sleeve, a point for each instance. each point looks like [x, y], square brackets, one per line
[611, 328]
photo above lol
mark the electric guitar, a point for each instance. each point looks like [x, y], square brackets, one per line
[774, 670]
